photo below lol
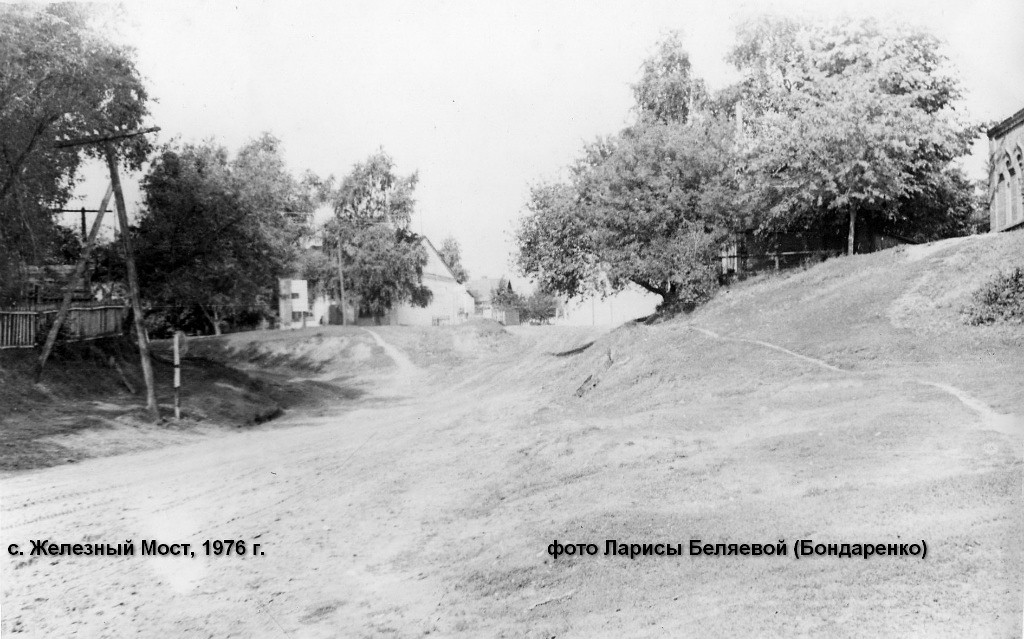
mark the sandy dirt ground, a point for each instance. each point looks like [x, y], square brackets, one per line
[425, 507]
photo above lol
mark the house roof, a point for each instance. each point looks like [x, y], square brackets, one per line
[431, 247]
[1006, 125]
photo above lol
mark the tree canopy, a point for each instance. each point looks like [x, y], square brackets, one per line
[382, 260]
[834, 124]
[853, 121]
[60, 77]
[646, 206]
[214, 235]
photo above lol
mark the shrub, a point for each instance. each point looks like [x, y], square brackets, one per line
[999, 300]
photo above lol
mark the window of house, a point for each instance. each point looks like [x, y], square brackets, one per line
[295, 296]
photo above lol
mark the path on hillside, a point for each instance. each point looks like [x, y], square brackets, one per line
[406, 367]
[990, 419]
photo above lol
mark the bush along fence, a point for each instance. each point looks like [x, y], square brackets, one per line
[27, 329]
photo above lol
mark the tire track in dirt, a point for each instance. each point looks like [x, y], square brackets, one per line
[406, 369]
[991, 420]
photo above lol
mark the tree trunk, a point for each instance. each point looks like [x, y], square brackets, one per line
[212, 319]
[853, 226]
[341, 286]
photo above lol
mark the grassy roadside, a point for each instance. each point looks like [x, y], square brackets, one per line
[84, 407]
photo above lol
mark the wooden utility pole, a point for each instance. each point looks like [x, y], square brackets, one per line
[106, 140]
[82, 211]
[69, 287]
[133, 282]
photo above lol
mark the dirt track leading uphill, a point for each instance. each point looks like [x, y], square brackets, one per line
[426, 506]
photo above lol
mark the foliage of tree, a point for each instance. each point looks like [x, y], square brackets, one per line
[539, 307]
[381, 258]
[214, 236]
[667, 91]
[647, 206]
[554, 241]
[451, 255]
[659, 204]
[854, 122]
[845, 124]
[503, 296]
[60, 77]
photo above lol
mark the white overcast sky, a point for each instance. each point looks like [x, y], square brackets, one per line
[482, 98]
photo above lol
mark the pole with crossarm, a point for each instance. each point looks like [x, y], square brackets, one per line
[106, 141]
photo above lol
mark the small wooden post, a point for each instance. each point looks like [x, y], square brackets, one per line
[177, 377]
[133, 283]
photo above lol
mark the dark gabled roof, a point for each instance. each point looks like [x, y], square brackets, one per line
[1006, 125]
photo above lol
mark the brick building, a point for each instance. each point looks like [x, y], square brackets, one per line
[1006, 154]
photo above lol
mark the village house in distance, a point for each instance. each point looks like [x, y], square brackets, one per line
[450, 302]
[1006, 154]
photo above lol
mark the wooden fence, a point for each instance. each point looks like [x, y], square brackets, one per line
[22, 329]
[733, 262]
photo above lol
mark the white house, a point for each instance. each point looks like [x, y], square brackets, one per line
[293, 306]
[483, 290]
[450, 303]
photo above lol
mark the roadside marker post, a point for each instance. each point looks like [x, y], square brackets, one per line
[177, 377]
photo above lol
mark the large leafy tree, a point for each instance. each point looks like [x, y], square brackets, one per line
[214, 236]
[852, 123]
[381, 259]
[59, 76]
[647, 206]
[659, 204]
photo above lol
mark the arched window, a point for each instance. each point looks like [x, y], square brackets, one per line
[999, 202]
[1013, 193]
[1018, 195]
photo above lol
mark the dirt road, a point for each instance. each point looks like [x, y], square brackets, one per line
[426, 507]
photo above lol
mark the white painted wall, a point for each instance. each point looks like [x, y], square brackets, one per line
[451, 303]
[627, 305]
[293, 297]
